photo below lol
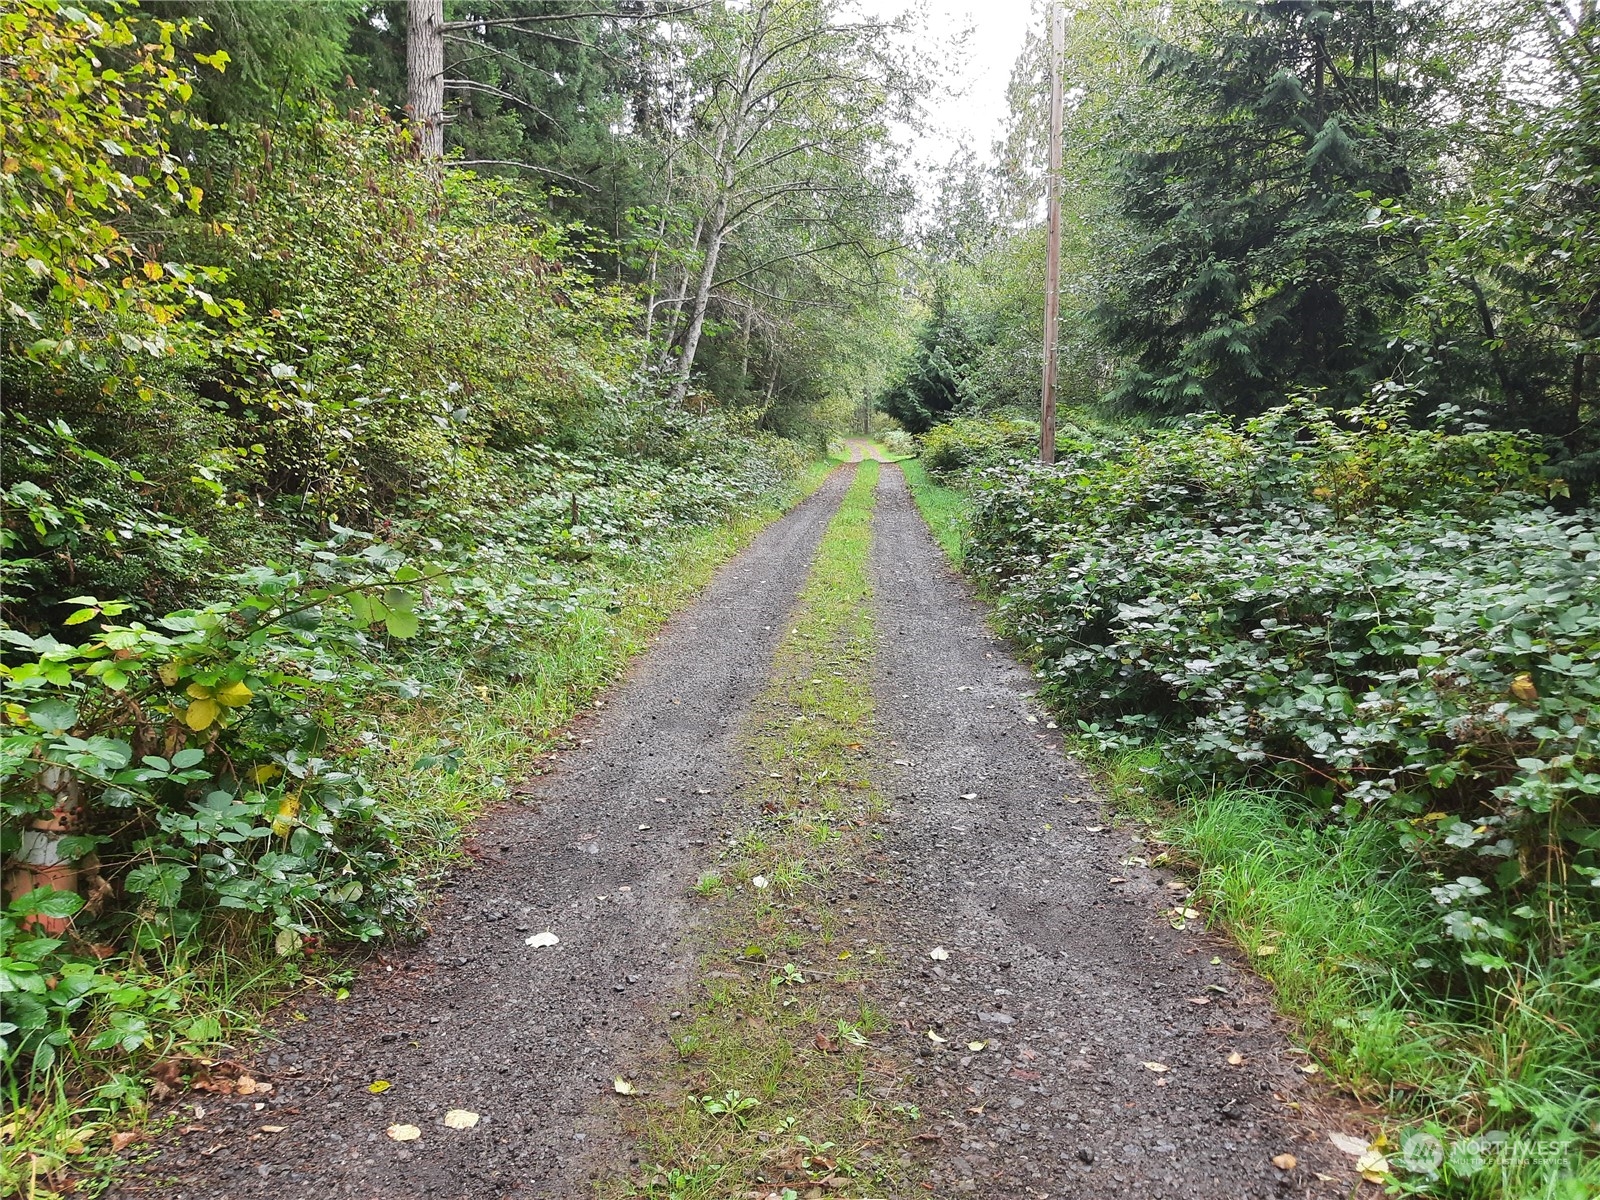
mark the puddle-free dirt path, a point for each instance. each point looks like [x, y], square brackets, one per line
[1104, 1070]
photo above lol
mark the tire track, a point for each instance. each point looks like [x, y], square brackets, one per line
[1062, 957]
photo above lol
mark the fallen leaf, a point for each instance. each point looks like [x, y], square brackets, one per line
[1310, 1069]
[378, 1086]
[272, 1128]
[460, 1118]
[1094, 828]
[543, 939]
[976, 1046]
[1216, 960]
[622, 1087]
[826, 1044]
[938, 954]
[403, 1133]
[969, 795]
[1235, 1059]
[121, 1141]
[1263, 951]
[1285, 1162]
[760, 881]
[935, 1038]
[1373, 1166]
[1199, 999]
[1158, 1068]
[1353, 1146]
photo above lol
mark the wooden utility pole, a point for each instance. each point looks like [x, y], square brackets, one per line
[425, 75]
[1052, 283]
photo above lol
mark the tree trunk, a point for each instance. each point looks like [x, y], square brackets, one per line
[425, 74]
[702, 298]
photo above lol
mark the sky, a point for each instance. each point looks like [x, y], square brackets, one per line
[971, 106]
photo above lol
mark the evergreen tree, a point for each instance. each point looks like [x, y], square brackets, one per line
[927, 388]
[1246, 185]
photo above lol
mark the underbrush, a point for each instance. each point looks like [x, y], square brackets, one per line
[1353, 666]
[331, 487]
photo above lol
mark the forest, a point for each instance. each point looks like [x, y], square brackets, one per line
[379, 378]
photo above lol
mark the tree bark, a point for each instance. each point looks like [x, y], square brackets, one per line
[716, 232]
[425, 74]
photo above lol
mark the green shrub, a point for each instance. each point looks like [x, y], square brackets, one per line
[967, 442]
[899, 443]
[1392, 619]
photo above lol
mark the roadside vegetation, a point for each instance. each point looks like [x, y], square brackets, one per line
[1316, 577]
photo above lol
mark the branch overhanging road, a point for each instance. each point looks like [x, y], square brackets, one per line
[1065, 1040]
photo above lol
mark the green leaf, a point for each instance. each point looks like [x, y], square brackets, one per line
[401, 624]
[54, 716]
[47, 902]
[184, 759]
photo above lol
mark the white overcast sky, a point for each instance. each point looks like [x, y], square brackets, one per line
[970, 107]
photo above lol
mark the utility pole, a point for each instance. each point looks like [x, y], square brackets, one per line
[1052, 284]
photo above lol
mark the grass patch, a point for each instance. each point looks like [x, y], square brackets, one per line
[439, 762]
[776, 1084]
[1493, 1095]
[944, 509]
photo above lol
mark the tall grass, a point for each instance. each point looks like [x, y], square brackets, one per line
[1503, 1082]
[943, 508]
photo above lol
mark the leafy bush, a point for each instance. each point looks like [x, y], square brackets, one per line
[189, 741]
[899, 443]
[969, 442]
[1392, 619]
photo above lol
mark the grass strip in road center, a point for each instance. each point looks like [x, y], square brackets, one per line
[777, 1088]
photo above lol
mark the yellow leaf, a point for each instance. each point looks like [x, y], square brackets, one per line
[379, 1086]
[199, 715]
[404, 1133]
[935, 1038]
[198, 690]
[265, 772]
[168, 673]
[1158, 1068]
[460, 1118]
[1373, 1166]
[234, 695]
[288, 810]
[1523, 689]
[622, 1087]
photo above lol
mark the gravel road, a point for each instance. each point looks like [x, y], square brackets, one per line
[1061, 956]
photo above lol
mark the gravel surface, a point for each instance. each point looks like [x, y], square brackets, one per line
[475, 1019]
[1062, 957]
